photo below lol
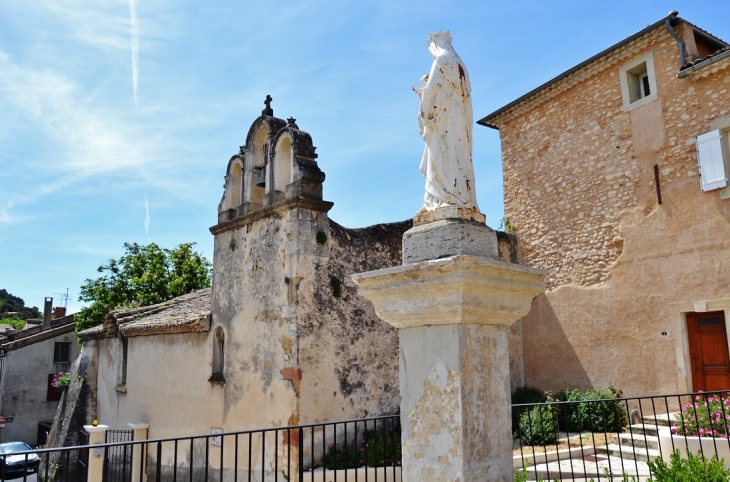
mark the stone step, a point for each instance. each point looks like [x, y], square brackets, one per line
[649, 428]
[635, 440]
[661, 419]
[628, 453]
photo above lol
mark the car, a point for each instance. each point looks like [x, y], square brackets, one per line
[17, 463]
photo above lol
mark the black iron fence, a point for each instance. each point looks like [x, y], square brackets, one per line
[363, 450]
[575, 440]
[607, 438]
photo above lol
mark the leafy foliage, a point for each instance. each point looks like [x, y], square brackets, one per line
[61, 380]
[695, 468]
[15, 323]
[605, 415]
[14, 304]
[539, 425]
[145, 275]
[524, 394]
[704, 416]
[374, 448]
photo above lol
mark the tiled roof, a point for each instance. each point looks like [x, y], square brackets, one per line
[699, 63]
[184, 314]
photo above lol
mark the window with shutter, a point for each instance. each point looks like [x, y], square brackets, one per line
[711, 163]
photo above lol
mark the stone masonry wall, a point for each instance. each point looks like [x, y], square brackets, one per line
[579, 187]
[354, 354]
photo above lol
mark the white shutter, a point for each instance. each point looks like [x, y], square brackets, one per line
[709, 156]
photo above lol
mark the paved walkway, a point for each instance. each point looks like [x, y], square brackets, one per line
[591, 466]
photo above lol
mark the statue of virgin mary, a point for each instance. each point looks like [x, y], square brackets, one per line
[446, 124]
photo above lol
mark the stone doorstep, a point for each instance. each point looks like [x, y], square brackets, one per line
[643, 428]
[628, 453]
[662, 419]
[635, 440]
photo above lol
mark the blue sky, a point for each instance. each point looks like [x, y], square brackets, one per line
[117, 118]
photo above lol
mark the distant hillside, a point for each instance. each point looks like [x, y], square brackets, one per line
[14, 304]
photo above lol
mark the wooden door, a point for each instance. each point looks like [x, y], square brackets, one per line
[708, 351]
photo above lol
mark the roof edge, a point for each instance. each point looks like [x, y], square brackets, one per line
[485, 121]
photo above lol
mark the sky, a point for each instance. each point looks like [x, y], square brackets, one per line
[118, 117]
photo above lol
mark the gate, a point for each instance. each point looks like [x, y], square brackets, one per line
[118, 461]
[84, 453]
[44, 427]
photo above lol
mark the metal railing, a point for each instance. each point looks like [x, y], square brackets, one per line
[607, 438]
[600, 439]
[363, 450]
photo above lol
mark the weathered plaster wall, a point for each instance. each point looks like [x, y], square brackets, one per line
[254, 300]
[349, 358]
[579, 187]
[166, 379]
[24, 386]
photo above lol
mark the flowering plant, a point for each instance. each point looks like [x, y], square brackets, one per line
[704, 416]
[61, 380]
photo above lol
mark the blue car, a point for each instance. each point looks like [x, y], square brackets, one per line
[17, 463]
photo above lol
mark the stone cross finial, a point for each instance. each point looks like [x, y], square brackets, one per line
[268, 110]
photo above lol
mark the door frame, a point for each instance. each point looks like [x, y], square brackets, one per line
[681, 335]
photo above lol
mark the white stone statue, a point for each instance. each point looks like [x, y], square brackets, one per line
[446, 125]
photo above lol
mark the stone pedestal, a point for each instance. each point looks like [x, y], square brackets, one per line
[454, 314]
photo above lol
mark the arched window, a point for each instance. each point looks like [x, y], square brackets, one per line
[258, 157]
[234, 195]
[219, 340]
[283, 164]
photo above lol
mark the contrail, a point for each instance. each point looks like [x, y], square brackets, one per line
[147, 215]
[135, 44]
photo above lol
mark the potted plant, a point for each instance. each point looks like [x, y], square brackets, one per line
[701, 425]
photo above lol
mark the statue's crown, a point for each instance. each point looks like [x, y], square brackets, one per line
[444, 35]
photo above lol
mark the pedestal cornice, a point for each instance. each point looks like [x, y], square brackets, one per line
[454, 290]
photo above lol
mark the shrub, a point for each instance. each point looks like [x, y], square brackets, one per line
[607, 415]
[539, 425]
[570, 417]
[695, 468]
[704, 416]
[524, 394]
[374, 448]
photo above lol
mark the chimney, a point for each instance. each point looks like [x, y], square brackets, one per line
[59, 312]
[47, 309]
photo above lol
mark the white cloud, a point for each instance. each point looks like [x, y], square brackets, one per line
[147, 215]
[134, 24]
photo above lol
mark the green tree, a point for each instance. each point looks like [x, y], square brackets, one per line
[145, 275]
[14, 304]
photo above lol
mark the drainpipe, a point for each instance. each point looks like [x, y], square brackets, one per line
[680, 41]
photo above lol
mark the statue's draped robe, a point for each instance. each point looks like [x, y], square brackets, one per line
[447, 117]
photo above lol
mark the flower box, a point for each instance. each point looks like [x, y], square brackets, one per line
[710, 446]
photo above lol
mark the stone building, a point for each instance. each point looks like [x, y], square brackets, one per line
[601, 183]
[281, 338]
[27, 366]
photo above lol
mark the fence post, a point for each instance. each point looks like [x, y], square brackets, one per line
[97, 435]
[140, 433]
